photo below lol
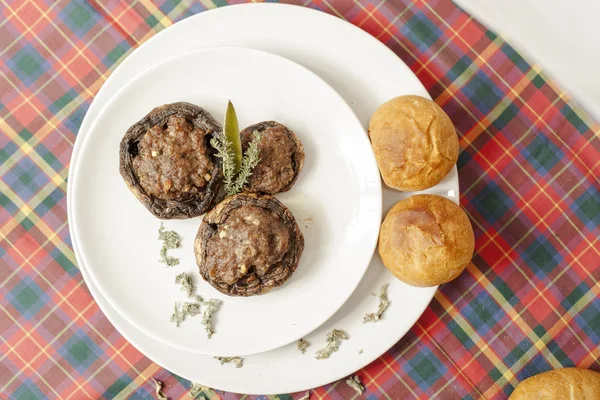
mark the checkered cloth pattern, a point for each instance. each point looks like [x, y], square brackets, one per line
[529, 167]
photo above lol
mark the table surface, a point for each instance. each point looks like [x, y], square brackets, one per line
[529, 167]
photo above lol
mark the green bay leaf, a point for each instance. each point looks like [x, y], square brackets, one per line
[231, 131]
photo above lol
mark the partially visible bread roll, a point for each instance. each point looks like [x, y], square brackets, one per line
[414, 142]
[426, 240]
[560, 384]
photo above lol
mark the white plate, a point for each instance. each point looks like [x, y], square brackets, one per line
[336, 201]
[365, 73]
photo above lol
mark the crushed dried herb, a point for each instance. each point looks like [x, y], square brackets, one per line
[188, 309]
[302, 345]
[238, 361]
[158, 387]
[170, 241]
[194, 308]
[177, 318]
[306, 396]
[170, 238]
[191, 309]
[196, 390]
[355, 383]
[333, 344]
[212, 306]
[170, 261]
[185, 280]
[383, 304]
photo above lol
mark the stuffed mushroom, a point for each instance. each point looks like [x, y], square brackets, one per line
[168, 163]
[281, 158]
[248, 244]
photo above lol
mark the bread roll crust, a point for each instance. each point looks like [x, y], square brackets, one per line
[426, 240]
[414, 142]
[560, 384]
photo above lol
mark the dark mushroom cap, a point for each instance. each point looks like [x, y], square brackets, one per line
[251, 281]
[188, 205]
[281, 158]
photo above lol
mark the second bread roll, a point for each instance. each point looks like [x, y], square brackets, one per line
[426, 240]
[560, 384]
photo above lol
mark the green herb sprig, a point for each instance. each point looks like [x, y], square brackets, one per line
[250, 160]
[234, 183]
[227, 143]
[225, 153]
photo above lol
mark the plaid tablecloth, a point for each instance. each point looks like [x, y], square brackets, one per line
[528, 170]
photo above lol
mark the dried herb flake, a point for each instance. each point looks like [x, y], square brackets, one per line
[302, 345]
[333, 344]
[194, 308]
[355, 383]
[212, 306]
[196, 390]
[306, 396]
[159, 394]
[238, 361]
[188, 309]
[185, 280]
[170, 241]
[383, 304]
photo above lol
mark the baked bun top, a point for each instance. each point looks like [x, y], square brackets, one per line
[414, 142]
[426, 240]
[560, 384]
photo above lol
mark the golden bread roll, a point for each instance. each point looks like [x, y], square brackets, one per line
[414, 142]
[426, 240]
[560, 384]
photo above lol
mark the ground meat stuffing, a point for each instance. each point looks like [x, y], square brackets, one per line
[250, 239]
[173, 160]
[276, 167]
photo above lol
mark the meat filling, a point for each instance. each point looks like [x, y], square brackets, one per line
[275, 170]
[251, 239]
[173, 160]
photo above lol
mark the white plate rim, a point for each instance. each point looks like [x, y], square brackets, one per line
[371, 170]
[136, 338]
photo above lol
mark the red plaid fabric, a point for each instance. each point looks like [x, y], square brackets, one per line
[528, 170]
